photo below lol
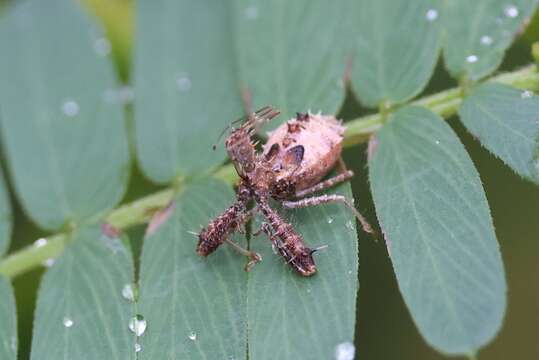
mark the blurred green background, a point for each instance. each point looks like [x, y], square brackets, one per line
[384, 328]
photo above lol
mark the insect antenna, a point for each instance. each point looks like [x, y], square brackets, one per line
[319, 248]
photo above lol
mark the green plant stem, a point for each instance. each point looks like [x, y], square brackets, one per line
[444, 103]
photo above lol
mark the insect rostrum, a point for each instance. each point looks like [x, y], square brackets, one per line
[295, 158]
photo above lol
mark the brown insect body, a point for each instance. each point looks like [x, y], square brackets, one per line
[320, 138]
[297, 155]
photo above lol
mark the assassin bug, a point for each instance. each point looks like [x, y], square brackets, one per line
[290, 169]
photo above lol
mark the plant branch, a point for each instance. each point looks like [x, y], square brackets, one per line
[444, 103]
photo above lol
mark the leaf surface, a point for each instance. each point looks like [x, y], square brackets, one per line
[60, 130]
[478, 32]
[437, 224]
[8, 325]
[5, 216]
[396, 46]
[81, 312]
[186, 85]
[293, 317]
[195, 307]
[293, 54]
[506, 121]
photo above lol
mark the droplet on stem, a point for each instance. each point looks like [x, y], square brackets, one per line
[137, 325]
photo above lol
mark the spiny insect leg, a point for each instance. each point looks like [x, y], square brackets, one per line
[337, 179]
[253, 256]
[324, 199]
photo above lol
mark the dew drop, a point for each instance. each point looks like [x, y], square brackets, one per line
[40, 242]
[437, 142]
[349, 272]
[137, 325]
[526, 94]
[68, 322]
[349, 225]
[510, 11]
[330, 220]
[251, 12]
[183, 82]
[431, 14]
[138, 347]
[486, 40]
[345, 351]
[193, 336]
[49, 262]
[13, 344]
[472, 59]
[70, 108]
[102, 46]
[128, 292]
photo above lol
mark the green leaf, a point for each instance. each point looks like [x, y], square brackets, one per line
[81, 313]
[505, 120]
[186, 85]
[66, 142]
[478, 33]
[8, 325]
[436, 221]
[195, 307]
[292, 317]
[293, 54]
[396, 47]
[5, 216]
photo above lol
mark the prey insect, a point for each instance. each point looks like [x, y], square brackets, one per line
[289, 169]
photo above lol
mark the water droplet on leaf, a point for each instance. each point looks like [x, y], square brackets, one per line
[40, 242]
[251, 12]
[183, 82]
[510, 11]
[68, 322]
[13, 344]
[486, 40]
[193, 336]
[102, 46]
[330, 220]
[49, 262]
[345, 351]
[137, 325]
[128, 292]
[431, 14]
[472, 59]
[526, 94]
[138, 347]
[70, 108]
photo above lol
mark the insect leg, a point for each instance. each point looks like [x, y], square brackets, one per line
[324, 199]
[337, 179]
[253, 256]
